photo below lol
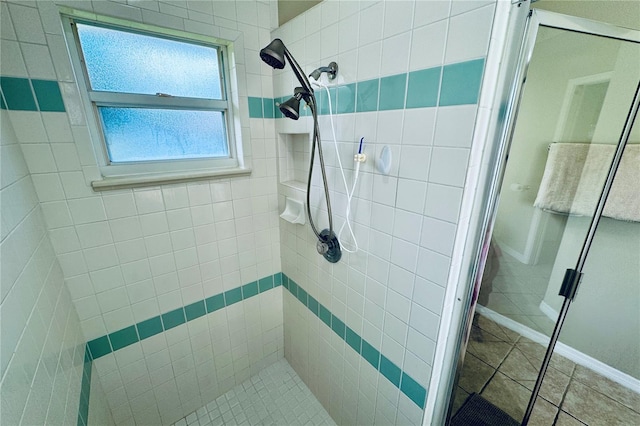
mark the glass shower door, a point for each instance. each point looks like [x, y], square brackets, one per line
[603, 322]
[573, 107]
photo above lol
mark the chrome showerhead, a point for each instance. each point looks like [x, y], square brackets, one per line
[273, 54]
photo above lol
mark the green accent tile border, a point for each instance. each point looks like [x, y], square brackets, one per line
[453, 84]
[24, 94]
[267, 108]
[400, 379]
[48, 95]
[389, 370]
[346, 99]
[367, 95]
[195, 310]
[85, 389]
[233, 296]
[123, 338]
[461, 83]
[119, 339]
[393, 91]
[249, 290]
[214, 303]
[173, 319]
[18, 94]
[276, 107]
[99, 347]
[149, 328]
[255, 107]
[423, 88]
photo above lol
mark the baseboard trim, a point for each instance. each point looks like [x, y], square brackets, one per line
[566, 351]
[546, 309]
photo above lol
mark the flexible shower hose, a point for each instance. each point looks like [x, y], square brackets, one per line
[317, 141]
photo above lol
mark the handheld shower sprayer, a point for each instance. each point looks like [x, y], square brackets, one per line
[274, 55]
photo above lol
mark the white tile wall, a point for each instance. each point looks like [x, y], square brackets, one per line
[128, 255]
[42, 346]
[392, 291]
[174, 373]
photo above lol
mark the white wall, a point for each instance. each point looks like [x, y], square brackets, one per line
[604, 319]
[538, 119]
[42, 346]
[132, 254]
[390, 292]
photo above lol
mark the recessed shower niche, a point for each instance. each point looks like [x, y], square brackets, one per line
[294, 151]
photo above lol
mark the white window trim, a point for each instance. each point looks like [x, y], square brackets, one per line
[123, 175]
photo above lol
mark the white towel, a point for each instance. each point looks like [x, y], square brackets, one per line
[575, 174]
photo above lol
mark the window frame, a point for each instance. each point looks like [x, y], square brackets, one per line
[140, 173]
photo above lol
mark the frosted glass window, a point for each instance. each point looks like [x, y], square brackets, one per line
[120, 61]
[159, 100]
[141, 134]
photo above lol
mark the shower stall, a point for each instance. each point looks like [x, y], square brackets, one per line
[187, 298]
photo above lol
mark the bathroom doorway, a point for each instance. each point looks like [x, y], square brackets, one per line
[580, 77]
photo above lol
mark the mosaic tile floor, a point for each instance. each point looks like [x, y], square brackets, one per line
[502, 366]
[275, 396]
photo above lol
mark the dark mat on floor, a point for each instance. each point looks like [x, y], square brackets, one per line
[477, 411]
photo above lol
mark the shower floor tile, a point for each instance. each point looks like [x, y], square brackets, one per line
[275, 396]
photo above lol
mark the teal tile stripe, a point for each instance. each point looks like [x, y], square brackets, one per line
[85, 390]
[48, 95]
[448, 85]
[400, 379]
[112, 342]
[104, 345]
[23, 94]
[127, 336]
[393, 90]
[255, 107]
[461, 83]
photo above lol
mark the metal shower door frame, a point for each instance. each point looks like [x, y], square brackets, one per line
[536, 18]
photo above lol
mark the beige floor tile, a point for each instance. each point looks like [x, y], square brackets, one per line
[524, 370]
[613, 390]
[593, 408]
[535, 352]
[544, 413]
[566, 420]
[459, 399]
[512, 398]
[488, 347]
[475, 374]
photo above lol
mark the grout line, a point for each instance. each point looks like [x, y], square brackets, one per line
[564, 394]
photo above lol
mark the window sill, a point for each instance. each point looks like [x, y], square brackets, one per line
[136, 181]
